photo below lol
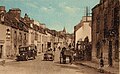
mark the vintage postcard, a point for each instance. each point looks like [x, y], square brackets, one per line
[59, 36]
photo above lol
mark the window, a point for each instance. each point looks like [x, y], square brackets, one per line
[2, 17]
[105, 26]
[20, 37]
[15, 36]
[116, 15]
[25, 36]
[8, 34]
[98, 24]
[36, 36]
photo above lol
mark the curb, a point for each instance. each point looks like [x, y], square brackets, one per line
[7, 60]
[4, 61]
[107, 72]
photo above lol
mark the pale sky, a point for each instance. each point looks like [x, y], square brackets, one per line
[56, 14]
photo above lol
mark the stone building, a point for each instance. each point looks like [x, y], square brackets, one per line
[15, 34]
[3, 32]
[19, 31]
[37, 34]
[3, 39]
[105, 31]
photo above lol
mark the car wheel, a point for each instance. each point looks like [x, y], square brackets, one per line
[60, 60]
[52, 59]
[17, 60]
[26, 58]
[33, 57]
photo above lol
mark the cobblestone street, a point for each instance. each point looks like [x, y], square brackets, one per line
[38, 66]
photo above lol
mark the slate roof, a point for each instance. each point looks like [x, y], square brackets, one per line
[12, 21]
[25, 23]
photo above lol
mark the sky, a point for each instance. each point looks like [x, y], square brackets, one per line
[56, 14]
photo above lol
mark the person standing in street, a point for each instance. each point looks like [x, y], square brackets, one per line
[101, 65]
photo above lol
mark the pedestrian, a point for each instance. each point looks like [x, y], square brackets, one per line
[63, 55]
[74, 56]
[59, 48]
[101, 65]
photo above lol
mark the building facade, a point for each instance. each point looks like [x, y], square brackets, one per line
[17, 31]
[15, 35]
[105, 31]
[83, 29]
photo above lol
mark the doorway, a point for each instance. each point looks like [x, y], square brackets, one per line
[110, 54]
[1, 48]
[42, 47]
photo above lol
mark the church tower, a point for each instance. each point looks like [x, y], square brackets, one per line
[64, 30]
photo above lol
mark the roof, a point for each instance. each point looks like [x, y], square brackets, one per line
[10, 20]
[14, 22]
[84, 19]
[15, 9]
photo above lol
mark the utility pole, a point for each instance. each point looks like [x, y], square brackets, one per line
[86, 13]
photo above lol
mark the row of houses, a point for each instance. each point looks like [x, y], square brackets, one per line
[102, 30]
[16, 31]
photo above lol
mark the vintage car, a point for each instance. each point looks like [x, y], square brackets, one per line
[25, 53]
[66, 53]
[48, 55]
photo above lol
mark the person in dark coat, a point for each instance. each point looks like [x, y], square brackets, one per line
[63, 56]
[101, 65]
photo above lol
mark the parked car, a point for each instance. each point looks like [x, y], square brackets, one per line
[25, 53]
[48, 55]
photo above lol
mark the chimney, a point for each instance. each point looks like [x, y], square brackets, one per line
[26, 17]
[2, 9]
[16, 12]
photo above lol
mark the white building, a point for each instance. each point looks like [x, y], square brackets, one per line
[83, 29]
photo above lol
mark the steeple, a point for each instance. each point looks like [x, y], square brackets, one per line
[64, 30]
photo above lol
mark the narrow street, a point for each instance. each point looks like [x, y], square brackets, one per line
[38, 66]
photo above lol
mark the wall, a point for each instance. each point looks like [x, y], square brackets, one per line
[83, 31]
[103, 21]
[3, 39]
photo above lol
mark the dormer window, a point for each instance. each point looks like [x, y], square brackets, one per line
[31, 25]
[2, 17]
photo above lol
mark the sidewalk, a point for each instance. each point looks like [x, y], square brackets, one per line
[107, 69]
[4, 61]
[7, 60]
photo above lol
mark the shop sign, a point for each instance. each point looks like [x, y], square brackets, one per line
[2, 41]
